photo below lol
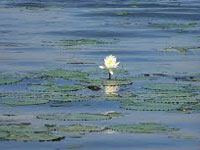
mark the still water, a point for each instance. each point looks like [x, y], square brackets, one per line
[147, 36]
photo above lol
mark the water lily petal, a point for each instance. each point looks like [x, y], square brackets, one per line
[111, 72]
[102, 67]
[116, 65]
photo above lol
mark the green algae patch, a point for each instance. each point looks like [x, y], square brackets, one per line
[165, 87]
[65, 74]
[143, 128]
[27, 132]
[78, 128]
[78, 117]
[23, 102]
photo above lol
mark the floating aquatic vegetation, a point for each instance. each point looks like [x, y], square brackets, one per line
[78, 128]
[175, 100]
[123, 14]
[165, 87]
[27, 132]
[182, 49]
[56, 88]
[82, 42]
[78, 117]
[113, 82]
[59, 97]
[143, 128]
[140, 105]
[65, 74]
[78, 42]
[8, 79]
[23, 102]
[182, 136]
[173, 25]
[193, 88]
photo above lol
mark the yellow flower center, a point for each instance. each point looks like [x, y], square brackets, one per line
[110, 61]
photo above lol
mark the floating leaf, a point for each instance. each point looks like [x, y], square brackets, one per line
[77, 117]
[176, 100]
[78, 128]
[113, 82]
[23, 102]
[27, 132]
[65, 74]
[7, 79]
[143, 128]
[58, 88]
[182, 136]
[139, 105]
[165, 87]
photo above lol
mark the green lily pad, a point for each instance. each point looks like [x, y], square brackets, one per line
[57, 88]
[165, 87]
[77, 117]
[23, 102]
[65, 74]
[139, 105]
[3, 135]
[68, 98]
[27, 132]
[77, 42]
[176, 100]
[78, 128]
[143, 128]
[173, 25]
[113, 82]
[6, 79]
[182, 136]
[193, 88]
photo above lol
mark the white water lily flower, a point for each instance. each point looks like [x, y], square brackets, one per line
[110, 63]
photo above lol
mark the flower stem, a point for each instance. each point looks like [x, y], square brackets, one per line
[109, 78]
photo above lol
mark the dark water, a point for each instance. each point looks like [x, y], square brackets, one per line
[31, 32]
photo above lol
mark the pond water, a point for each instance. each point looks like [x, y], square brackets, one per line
[158, 40]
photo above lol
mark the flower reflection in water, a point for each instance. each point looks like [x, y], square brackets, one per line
[111, 89]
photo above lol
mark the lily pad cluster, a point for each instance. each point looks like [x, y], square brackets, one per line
[79, 117]
[27, 132]
[8, 79]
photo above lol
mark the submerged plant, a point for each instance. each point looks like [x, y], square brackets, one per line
[110, 63]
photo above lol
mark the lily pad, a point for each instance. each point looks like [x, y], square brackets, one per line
[140, 105]
[65, 74]
[6, 79]
[173, 25]
[143, 128]
[57, 88]
[176, 100]
[27, 132]
[68, 98]
[113, 82]
[165, 87]
[81, 42]
[78, 128]
[23, 102]
[77, 117]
